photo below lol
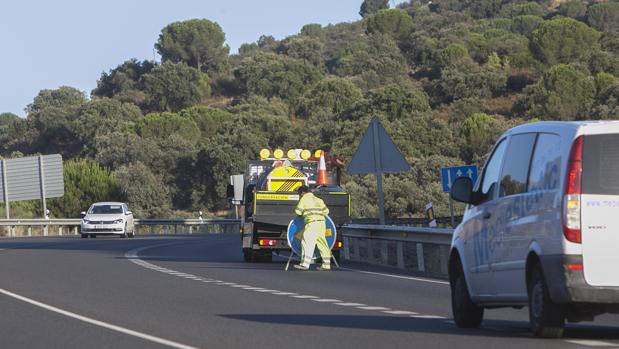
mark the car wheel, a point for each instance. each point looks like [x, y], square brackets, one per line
[93, 236]
[547, 318]
[132, 234]
[124, 234]
[466, 313]
[84, 236]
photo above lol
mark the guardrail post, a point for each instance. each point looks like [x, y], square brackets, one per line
[29, 230]
[384, 252]
[60, 230]
[420, 260]
[45, 230]
[400, 254]
[190, 229]
[175, 229]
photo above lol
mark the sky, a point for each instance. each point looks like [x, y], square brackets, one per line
[45, 44]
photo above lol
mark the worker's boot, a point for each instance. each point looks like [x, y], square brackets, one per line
[301, 267]
[324, 267]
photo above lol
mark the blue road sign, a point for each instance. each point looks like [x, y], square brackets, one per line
[295, 233]
[449, 175]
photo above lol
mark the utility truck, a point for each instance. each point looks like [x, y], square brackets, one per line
[266, 197]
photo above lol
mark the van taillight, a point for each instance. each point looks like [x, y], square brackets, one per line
[571, 201]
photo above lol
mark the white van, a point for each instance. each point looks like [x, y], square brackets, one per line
[541, 228]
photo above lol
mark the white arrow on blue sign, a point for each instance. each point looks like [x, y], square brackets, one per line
[449, 175]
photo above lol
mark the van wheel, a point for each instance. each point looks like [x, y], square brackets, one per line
[466, 313]
[84, 236]
[547, 318]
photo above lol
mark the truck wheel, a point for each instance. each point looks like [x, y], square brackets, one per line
[466, 313]
[547, 318]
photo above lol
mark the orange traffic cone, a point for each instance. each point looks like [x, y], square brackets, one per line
[322, 171]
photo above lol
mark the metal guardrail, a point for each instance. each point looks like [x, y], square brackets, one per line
[416, 222]
[165, 226]
[424, 250]
[439, 236]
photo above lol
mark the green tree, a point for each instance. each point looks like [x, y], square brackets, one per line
[171, 87]
[119, 148]
[523, 9]
[208, 120]
[485, 8]
[101, 116]
[332, 95]
[6, 119]
[197, 42]
[124, 82]
[604, 16]
[369, 7]
[526, 25]
[376, 60]
[163, 125]
[607, 104]
[272, 75]
[50, 122]
[573, 8]
[86, 182]
[564, 40]
[564, 93]
[308, 49]
[452, 55]
[393, 22]
[146, 195]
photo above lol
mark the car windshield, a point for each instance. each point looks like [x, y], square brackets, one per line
[106, 209]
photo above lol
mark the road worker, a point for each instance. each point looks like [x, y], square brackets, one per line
[314, 212]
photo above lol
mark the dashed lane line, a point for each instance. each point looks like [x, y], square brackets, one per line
[133, 256]
[99, 323]
[592, 343]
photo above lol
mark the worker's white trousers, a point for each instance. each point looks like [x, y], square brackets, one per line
[314, 236]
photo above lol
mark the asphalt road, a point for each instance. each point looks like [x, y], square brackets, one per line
[195, 292]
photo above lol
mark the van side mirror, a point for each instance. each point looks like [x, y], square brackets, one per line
[462, 190]
[83, 214]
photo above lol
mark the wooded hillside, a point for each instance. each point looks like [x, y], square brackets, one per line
[445, 77]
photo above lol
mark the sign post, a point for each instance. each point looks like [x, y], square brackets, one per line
[449, 175]
[377, 154]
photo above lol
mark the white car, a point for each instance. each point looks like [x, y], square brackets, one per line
[541, 227]
[107, 218]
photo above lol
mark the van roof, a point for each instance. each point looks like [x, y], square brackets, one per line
[591, 126]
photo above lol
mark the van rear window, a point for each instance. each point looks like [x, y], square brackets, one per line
[600, 173]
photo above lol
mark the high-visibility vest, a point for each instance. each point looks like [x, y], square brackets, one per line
[311, 208]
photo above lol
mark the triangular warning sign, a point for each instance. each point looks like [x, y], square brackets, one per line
[377, 153]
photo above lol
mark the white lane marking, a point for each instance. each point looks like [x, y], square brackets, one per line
[326, 300]
[132, 256]
[591, 343]
[92, 321]
[373, 308]
[400, 312]
[397, 276]
[428, 317]
[352, 304]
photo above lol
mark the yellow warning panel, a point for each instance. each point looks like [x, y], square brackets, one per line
[285, 178]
